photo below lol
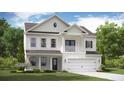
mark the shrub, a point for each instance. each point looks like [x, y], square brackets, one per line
[28, 71]
[8, 62]
[121, 63]
[49, 71]
[65, 71]
[115, 63]
[21, 66]
[104, 68]
[16, 71]
[1, 62]
[13, 71]
[36, 71]
[19, 71]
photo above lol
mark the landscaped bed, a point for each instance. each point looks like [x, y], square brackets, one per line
[6, 75]
[115, 70]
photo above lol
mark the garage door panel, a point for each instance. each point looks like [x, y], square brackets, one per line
[82, 70]
[84, 61]
[80, 65]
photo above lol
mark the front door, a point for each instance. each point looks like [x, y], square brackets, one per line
[54, 63]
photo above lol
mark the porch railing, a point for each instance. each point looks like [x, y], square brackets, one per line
[69, 48]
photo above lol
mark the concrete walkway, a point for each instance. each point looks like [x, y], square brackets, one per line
[115, 77]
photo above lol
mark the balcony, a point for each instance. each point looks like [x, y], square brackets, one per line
[69, 48]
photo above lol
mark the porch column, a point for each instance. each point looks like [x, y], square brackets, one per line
[63, 44]
[63, 50]
[50, 63]
[39, 63]
[27, 59]
[63, 62]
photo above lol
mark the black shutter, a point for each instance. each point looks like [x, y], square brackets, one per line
[86, 44]
[91, 44]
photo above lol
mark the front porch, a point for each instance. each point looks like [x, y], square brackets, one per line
[45, 61]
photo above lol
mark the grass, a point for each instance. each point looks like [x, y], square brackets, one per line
[6, 75]
[115, 70]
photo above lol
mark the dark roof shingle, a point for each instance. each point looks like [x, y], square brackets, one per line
[92, 52]
[29, 25]
[88, 31]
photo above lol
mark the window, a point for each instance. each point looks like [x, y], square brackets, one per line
[69, 42]
[88, 44]
[53, 42]
[70, 45]
[33, 60]
[33, 42]
[43, 61]
[43, 42]
[55, 24]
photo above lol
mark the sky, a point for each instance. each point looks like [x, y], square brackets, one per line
[91, 20]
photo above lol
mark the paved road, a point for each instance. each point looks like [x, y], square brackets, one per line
[115, 77]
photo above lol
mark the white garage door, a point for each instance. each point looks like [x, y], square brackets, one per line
[81, 65]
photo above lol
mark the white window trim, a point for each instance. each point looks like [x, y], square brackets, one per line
[33, 42]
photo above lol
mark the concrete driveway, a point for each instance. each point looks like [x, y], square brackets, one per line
[115, 77]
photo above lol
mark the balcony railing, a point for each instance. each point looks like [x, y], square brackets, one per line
[69, 48]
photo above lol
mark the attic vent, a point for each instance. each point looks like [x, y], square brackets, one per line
[55, 24]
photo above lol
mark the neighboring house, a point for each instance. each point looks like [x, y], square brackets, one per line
[56, 45]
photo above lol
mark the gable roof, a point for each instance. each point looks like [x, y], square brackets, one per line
[88, 31]
[29, 25]
[75, 26]
[33, 27]
[82, 28]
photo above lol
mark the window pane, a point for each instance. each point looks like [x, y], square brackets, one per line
[72, 42]
[55, 25]
[33, 42]
[53, 42]
[89, 44]
[67, 42]
[43, 42]
[43, 61]
[34, 61]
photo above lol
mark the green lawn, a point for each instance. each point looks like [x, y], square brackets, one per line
[6, 75]
[115, 70]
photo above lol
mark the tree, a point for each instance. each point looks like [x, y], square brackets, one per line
[11, 41]
[110, 40]
[107, 40]
[20, 54]
[121, 39]
[3, 27]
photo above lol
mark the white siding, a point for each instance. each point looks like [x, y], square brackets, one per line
[98, 59]
[78, 43]
[38, 42]
[48, 26]
[93, 39]
[74, 31]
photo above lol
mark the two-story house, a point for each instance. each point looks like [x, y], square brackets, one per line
[55, 45]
